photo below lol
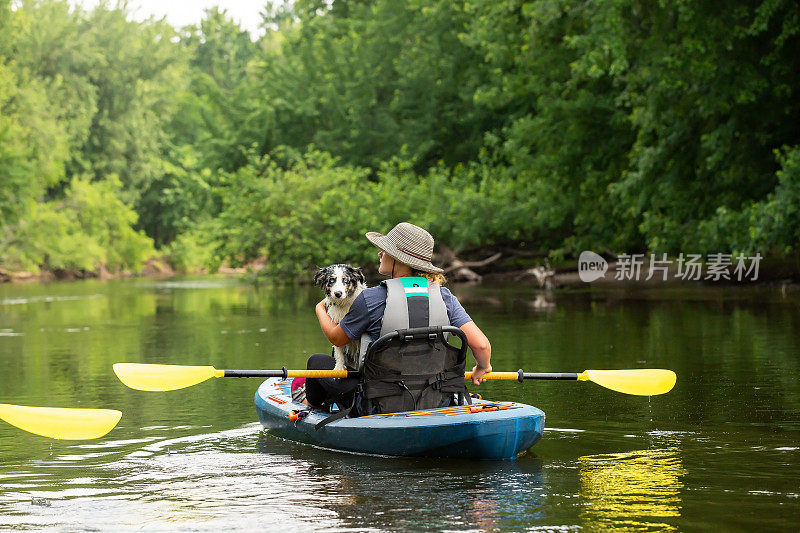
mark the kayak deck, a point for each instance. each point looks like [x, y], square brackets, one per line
[486, 430]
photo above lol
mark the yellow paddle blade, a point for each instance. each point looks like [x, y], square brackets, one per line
[161, 377]
[642, 382]
[61, 423]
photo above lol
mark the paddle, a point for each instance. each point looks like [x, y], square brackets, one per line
[147, 377]
[61, 423]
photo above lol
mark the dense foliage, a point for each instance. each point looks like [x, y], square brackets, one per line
[556, 125]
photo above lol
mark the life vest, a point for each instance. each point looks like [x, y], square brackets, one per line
[411, 366]
[411, 302]
[418, 369]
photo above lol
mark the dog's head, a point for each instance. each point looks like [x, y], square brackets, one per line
[339, 281]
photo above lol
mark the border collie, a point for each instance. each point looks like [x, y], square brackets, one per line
[342, 283]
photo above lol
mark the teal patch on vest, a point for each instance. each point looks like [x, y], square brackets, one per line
[415, 286]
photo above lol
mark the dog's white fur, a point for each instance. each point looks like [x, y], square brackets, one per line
[342, 283]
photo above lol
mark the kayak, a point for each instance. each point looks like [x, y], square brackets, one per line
[486, 430]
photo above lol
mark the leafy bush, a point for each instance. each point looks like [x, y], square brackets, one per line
[771, 225]
[91, 228]
[314, 211]
[776, 221]
[299, 216]
[190, 251]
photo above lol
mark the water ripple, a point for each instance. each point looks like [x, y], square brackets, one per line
[48, 299]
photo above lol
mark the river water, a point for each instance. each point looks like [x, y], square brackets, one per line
[722, 450]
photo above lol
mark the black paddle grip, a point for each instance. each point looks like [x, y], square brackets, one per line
[568, 376]
[256, 373]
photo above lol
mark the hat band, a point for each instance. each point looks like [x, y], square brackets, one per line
[414, 254]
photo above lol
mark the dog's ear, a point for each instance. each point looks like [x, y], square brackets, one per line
[319, 277]
[359, 275]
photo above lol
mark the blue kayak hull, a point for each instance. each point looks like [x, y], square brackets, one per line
[497, 434]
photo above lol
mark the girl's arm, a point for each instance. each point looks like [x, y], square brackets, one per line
[333, 331]
[481, 349]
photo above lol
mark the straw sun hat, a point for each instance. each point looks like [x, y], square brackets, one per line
[408, 244]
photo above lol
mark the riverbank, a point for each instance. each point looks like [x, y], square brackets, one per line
[568, 276]
[510, 265]
[154, 267]
[494, 266]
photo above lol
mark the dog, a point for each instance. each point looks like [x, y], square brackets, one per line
[342, 283]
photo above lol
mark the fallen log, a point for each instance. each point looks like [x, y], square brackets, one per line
[460, 270]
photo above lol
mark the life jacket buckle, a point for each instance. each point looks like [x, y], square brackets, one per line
[432, 337]
[435, 381]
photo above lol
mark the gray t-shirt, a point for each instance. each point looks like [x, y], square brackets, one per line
[366, 312]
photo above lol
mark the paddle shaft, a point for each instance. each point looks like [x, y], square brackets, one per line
[152, 377]
[283, 373]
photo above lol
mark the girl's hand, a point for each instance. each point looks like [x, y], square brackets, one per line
[477, 372]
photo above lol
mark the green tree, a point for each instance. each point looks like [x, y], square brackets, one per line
[363, 80]
[221, 114]
[712, 94]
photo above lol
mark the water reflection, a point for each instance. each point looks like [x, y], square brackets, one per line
[632, 490]
[242, 478]
[393, 494]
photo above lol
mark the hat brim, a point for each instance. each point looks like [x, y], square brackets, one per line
[382, 241]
